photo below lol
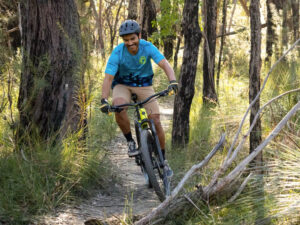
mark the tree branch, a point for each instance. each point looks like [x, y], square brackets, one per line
[175, 192]
[242, 187]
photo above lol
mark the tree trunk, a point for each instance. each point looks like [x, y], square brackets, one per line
[183, 100]
[176, 52]
[210, 24]
[295, 10]
[51, 78]
[148, 14]
[166, 10]
[270, 32]
[254, 75]
[284, 29]
[98, 18]
[168, 46]
[113, 25]
[224, 12]
[132, 10]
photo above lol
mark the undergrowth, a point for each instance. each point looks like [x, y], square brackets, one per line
[269, 199]
[41, 177]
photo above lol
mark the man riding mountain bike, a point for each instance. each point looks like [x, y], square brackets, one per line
[129, 71]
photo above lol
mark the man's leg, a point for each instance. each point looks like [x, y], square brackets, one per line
[122, 117]
[122, 95]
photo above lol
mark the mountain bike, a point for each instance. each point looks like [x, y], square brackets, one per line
[150, 157]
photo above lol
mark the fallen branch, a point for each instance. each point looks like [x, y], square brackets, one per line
[175, 192]
[228, 160]
[239, 147]
[238, 169]
[242, 187]
[175, 206]
[258, 95]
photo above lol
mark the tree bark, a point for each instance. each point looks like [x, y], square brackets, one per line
[166, 10]
[132, 10]
[51, 78]
[112, 21]
[295, 10]
[148, 14]
[254, 75]
[183, 100]
[99, 23]
[210, 25]
[284, 28]
[270, 32]
[176, 52]
[224, 12]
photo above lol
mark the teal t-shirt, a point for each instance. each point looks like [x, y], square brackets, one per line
[133, 70]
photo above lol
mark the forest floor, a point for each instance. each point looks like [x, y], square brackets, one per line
[129, 197]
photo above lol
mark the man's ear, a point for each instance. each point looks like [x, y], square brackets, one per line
[140, 35]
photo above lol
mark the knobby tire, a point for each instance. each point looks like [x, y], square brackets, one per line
[146, 148]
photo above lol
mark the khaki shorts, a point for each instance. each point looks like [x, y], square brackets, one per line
[123, 91]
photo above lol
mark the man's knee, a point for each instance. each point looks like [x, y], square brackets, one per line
[119, 101]
[156, 119]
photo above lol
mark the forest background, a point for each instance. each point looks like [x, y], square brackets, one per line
[53, 136]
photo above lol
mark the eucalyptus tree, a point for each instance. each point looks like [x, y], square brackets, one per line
[210, 25]
[270, 32]
[254, 75]
[295, 12]
[147, 16]
[113, 15]
[223, 30]
[167, 25]
[51, 82]
[98, 15]
[133, 10]
[183, 100]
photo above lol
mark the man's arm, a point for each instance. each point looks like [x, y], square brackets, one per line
[165, 65]
[106, 85]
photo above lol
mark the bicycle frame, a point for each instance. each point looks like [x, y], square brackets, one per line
[145, 127]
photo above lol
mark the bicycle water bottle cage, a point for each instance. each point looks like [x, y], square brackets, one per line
[143, 118]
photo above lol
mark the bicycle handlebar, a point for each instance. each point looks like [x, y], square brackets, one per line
[119, 108]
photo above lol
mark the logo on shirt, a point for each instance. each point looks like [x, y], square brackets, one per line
[142, 60]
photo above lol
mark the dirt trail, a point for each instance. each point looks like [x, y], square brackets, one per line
[131, 194]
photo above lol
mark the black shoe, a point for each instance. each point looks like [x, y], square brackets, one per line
[132, 151]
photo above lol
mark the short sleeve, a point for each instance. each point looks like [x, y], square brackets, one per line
[155, 54]
[112, 65]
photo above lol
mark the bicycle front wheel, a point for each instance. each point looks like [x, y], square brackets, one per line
[146, 148]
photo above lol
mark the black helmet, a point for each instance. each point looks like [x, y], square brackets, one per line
[129, 27]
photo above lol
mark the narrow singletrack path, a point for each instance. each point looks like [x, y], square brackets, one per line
[130, 196]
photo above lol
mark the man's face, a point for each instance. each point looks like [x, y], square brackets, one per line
[131, 41]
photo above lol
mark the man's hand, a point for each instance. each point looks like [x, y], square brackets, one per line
[173, 86]
[105, 106]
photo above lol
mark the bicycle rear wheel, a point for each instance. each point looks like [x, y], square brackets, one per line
[146, 148]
